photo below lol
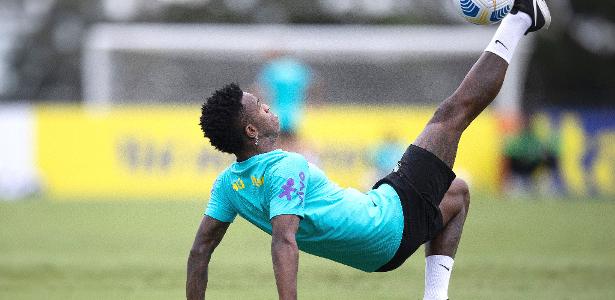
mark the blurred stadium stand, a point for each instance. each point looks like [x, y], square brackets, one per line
[41, 41]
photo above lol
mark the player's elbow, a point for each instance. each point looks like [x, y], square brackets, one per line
[282, 249]
[197, 251]
[283, 242]
[283, 233]
[283, 239]
[201, 251]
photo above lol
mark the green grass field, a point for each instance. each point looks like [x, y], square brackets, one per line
[137, 250]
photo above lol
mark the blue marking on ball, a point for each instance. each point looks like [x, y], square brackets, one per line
[499, 14]
[469, 8]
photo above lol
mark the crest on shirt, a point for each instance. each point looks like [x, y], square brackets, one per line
[288, 188]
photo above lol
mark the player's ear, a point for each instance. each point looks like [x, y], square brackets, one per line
[251, 131]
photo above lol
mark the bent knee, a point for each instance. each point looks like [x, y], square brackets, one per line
[460, 188]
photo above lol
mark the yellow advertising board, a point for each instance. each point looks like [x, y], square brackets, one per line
[145, 152]
[586, 149]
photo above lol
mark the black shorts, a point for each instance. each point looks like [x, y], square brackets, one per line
[421, 181]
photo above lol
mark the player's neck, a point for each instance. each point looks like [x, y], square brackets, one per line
[256, 150]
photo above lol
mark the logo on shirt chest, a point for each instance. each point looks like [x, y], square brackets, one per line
[257, 182]
[240, 185]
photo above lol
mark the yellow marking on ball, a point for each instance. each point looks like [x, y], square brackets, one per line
[483, 17]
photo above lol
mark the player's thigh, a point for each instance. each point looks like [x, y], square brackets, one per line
[440, 139]
[456, 199]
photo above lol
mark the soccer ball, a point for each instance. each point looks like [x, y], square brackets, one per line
[484, 12]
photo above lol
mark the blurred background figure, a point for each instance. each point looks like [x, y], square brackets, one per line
[382, 158]
[530, 161]
[284, 83]
[386, 154]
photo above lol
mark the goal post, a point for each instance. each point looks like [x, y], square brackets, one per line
[154, 63]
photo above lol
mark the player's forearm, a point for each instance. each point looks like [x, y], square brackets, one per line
[196, 281]
[285, 255]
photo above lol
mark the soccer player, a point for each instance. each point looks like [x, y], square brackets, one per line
[420, 202]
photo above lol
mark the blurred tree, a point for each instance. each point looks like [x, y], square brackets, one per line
[47, 56]
[574, 63]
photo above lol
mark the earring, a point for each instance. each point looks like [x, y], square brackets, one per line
[256, 140]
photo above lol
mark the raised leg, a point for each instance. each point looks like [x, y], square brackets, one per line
[442, 134]
[477, 90]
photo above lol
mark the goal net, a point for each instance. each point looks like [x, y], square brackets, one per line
[162, 63]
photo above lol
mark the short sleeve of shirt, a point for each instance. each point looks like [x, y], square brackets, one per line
[219, 206]
[287, 187]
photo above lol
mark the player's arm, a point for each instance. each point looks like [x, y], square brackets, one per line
[208, 236]
[285, 255]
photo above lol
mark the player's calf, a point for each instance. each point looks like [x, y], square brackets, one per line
[454, 209]
[440, 251]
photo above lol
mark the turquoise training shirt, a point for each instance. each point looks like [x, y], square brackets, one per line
[361, 230]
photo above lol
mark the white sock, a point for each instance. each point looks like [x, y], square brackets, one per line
[438, 270]
[509, 34]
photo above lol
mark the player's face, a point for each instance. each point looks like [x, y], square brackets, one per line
[261, 115]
